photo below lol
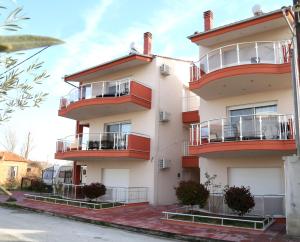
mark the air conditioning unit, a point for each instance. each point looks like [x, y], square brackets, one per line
[164, 164]
[164, 116]
[165, 70]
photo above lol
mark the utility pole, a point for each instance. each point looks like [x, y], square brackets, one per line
[295, 53]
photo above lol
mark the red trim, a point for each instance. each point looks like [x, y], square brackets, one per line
[108, 66]
[238, 146]
[138, 148]
[190, 117]
[240, 70]
[237, 26]
[190, 162]
[139, 95]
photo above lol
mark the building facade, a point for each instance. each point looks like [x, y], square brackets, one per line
[243, 79]
[129, 124]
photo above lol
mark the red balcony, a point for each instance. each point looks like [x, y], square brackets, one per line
[105, 98]
[242, 68]
[190, 109]
[108, 146]
[243, 135]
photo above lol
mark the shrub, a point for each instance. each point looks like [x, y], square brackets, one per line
[192, 193]
[11, 184]
[239, 199]
[38, 185]
[93, 190]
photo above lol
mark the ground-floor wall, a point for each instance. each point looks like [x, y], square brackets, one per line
[20, 169]
[258, 170]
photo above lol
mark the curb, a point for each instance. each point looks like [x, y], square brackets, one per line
[144, 231]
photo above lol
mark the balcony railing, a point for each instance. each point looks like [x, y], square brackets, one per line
[239, 128]
[101, 89]
[94, 141]
[260, 52]
[190, 103]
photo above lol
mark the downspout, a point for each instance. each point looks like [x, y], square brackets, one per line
[295, 78]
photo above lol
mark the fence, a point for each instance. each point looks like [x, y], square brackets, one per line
[113, 194]
[260, 52]
[243, 127]
[265, 205]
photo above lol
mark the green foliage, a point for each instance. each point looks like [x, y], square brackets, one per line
[192, 193]
[93, 190]
[18, 85]
[38, 185]
[11, 184]
[239, 199]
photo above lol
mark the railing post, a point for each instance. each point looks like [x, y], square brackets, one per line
[221, 61]
[260, 128]
[103, 85]
[223, 138]
[200, 134]
[275, 56]
[208, 130]
[241, 128]
[126, 141]
[207, 62]
[114, 140]
[100, 141]
[279, 127]
[256, 51]
[197, 134]
[238, 53]
[116, 92]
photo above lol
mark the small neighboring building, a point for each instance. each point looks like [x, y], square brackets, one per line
[12, 166]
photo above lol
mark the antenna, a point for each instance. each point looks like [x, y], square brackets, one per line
[256, 9]
[133, 50]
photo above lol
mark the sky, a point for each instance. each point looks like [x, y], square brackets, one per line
[95, 31]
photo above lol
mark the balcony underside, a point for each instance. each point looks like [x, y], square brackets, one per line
[242, 79]
[98, 107]
[244, 148]
[105, 155]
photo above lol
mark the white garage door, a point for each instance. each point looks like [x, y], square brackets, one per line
[262, 181]
[116, 177]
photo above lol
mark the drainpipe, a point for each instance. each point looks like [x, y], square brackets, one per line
[295, 74]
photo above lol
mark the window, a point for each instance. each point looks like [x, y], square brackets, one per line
[122, 127]
[12, 172]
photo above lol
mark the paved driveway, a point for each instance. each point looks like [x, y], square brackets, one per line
[18, 225]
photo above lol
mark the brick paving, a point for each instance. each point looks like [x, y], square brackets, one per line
[149, 217]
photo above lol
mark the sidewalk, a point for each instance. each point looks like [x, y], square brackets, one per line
[147, 219]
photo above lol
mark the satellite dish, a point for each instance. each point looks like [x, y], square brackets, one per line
[256, 9]
[133, 50]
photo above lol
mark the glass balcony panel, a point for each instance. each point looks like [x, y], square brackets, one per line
[214, 61]
[203, 65]
[229, 56]
[216, 130]
[270, 127]
[247, 54]
[266, 52]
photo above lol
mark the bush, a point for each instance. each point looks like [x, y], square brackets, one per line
[38, 185]
[192, 193]
[11, 184]
[93, 190]
[239, 199]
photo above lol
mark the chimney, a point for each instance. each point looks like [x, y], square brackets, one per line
[147, 43]
[208, 20]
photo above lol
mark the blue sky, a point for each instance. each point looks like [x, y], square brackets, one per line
[99, 30]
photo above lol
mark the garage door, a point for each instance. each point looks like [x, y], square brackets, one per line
[262, 181]
[116, 177]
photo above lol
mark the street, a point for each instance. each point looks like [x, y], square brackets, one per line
[20, 225]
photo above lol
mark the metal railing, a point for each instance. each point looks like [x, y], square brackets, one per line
[190, 103]
[265, 205]
[93, 141]
[69, 202]
[100, 89]
[259, 52]
[245, 127]
[216, 220]
[113, 194]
